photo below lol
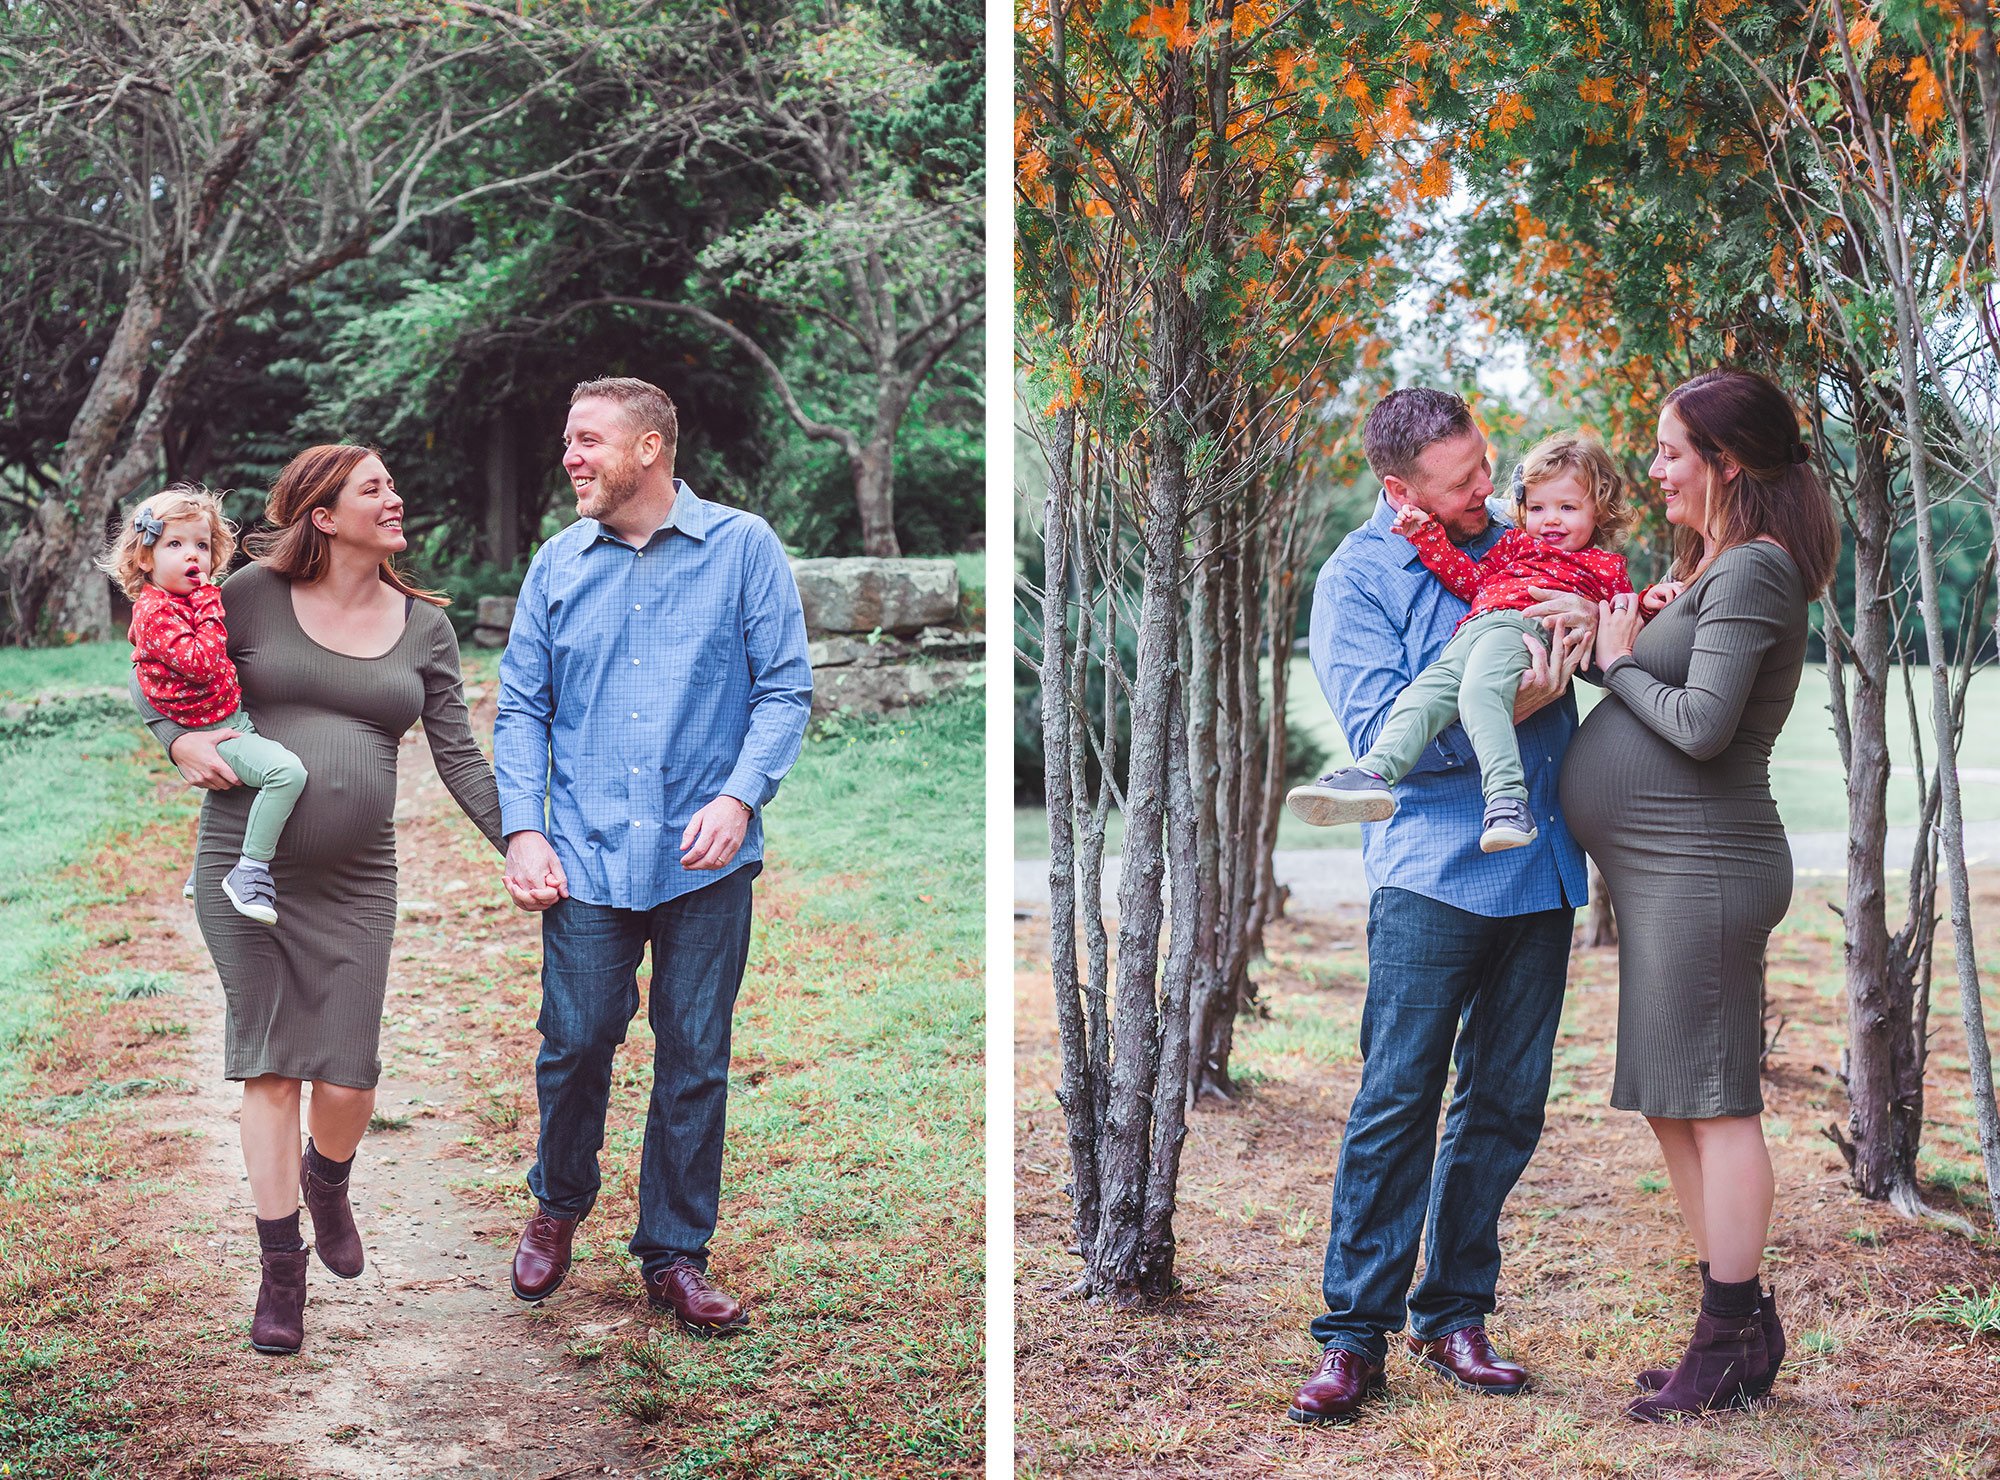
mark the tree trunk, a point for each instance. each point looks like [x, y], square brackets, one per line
[503, 492]
[1884, 1062]
[1951, 841]
[54, 592]
[1602, 927]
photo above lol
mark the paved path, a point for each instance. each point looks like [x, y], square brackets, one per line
[1321, 878]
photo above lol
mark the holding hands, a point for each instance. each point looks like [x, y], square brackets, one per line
[534, 875]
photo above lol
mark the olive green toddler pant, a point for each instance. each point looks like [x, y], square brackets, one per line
[1473, 681]
[279, 777]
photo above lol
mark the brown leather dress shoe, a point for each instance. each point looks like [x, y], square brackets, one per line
[541, 1259]
[279, 1325]
[1338, 1384]
[701, 1309]
[335, 1237]
[1468, 1359]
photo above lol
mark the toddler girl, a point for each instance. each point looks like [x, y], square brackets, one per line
[166, 557]
[1569, 502]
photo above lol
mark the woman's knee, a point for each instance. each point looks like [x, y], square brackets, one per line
[342, 1099]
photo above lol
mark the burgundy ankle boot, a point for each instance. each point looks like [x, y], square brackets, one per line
[1655, 1378]
[280, 1323]
[334, 1234]
[1725, 1359]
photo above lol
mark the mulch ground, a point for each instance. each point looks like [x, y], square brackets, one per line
[1597, 1281]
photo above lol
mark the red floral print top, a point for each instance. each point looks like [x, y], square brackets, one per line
[1500, 582]
[181, 652]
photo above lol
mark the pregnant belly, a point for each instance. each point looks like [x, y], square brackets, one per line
[345, 813]
[1627, 793]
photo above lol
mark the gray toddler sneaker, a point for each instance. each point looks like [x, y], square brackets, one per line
[1509, 824]
[1347, 795]
[253, 891]
[187, 889]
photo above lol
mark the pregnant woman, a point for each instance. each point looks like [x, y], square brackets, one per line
[338, 656]
[1667, 785]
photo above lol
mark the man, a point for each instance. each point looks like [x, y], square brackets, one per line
[1464, 947]
[654, 690]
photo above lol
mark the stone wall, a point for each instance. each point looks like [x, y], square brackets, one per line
[882, 634]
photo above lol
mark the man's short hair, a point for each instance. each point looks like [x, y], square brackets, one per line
[1403, 423]
[644, 403]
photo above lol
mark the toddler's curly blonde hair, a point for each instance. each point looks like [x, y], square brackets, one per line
[129, 560]
[1585, 457]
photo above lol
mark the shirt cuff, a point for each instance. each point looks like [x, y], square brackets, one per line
[749, 786]
[523, 814]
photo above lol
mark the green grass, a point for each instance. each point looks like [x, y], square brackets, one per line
[71, 773]
[1806, 778]
[72, 777]
[27, 673]
[1974, 1311]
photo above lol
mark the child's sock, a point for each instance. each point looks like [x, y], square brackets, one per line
[244, 860]
[333, 1173]
[280, 1235]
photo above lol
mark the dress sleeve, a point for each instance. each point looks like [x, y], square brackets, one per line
[1459, 571]
[465, 770]
[1747, 606]
[164, 730]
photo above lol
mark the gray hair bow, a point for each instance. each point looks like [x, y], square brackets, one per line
[149, 525]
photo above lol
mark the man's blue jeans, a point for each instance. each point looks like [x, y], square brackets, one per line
[590, 990]
[1439, 975]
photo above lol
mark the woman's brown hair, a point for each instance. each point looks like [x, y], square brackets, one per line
[294, 547]
[1742, 416]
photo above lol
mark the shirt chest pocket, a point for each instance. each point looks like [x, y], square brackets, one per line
[1416, 606]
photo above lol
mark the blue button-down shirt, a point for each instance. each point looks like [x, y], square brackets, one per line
[641, 684]
[1380, 618]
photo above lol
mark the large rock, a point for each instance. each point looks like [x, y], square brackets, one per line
[887, 689]
[495, 619]
[868, 594]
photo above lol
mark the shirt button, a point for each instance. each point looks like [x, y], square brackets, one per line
[635, 714]
[635, 662]
[635, 822]
[635, 606]
[635, 770]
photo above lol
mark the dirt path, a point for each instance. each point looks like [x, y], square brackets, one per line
[425, 1365]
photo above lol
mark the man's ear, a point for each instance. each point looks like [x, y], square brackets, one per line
[649, 447]
[1397, 490]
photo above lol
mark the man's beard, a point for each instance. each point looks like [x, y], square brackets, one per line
[612, 489]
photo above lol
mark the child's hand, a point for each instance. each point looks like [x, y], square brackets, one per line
[1409, 519]
[1655, 599]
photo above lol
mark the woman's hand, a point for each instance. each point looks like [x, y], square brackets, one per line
[201, 763]
[1618, 623]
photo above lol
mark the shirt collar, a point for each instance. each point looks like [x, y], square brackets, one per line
[691, 515]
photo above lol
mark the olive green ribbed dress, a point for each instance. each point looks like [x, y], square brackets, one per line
[305, 997]
[1667, 785]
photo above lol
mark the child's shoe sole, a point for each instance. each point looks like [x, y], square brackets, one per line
[1500, 839]
[261, 913]
[1324, 807]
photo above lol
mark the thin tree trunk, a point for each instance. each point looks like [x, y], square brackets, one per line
[1884, 1070]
